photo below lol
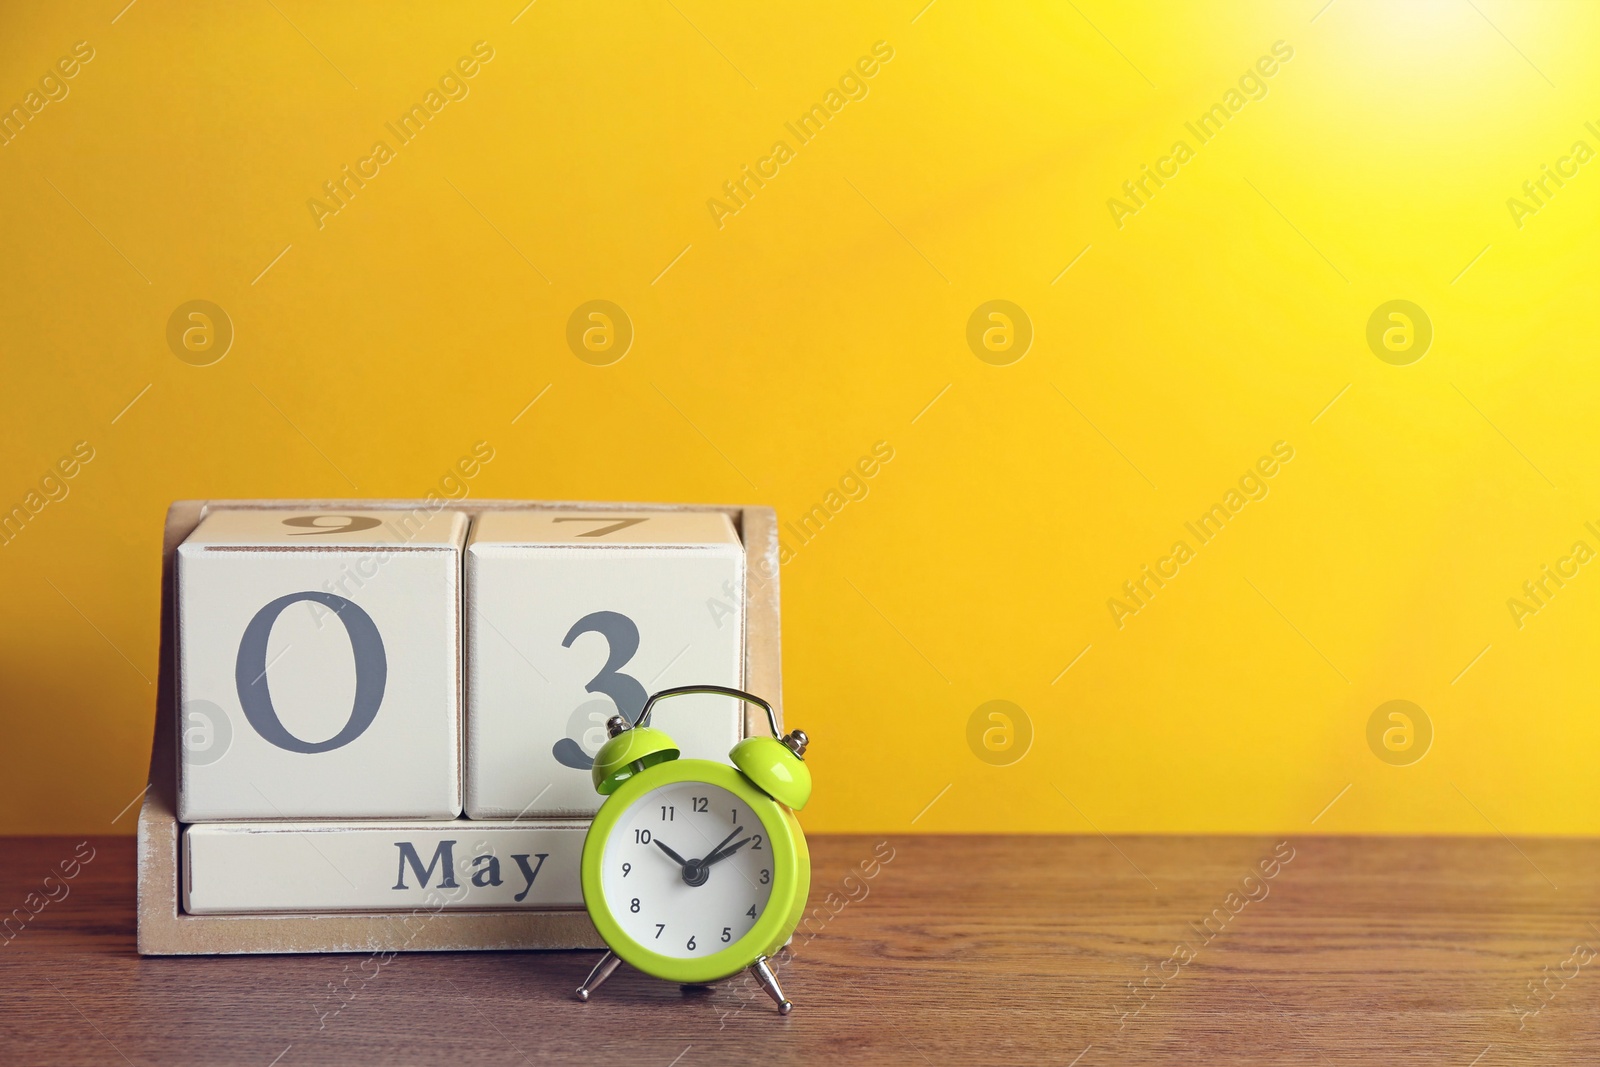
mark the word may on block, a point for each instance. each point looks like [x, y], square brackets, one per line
[320, 664]
[381, 866]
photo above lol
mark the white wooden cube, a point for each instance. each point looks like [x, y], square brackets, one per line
[572, 617]
[319, 666]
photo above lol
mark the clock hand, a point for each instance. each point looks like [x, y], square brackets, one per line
[695, 872]
[723, 854]
[679, 860]
[737, 830]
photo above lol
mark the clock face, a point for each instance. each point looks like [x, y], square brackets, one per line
[688, 869]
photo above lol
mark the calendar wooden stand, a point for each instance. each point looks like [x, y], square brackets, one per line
[164, 928]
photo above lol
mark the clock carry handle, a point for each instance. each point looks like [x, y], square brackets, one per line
[719, 690]
[776, 764]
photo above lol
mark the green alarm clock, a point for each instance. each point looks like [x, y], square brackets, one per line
[694, 870]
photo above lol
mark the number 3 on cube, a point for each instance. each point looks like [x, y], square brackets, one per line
[573, 617]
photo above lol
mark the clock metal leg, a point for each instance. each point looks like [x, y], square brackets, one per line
[601, 972]
[769, 982]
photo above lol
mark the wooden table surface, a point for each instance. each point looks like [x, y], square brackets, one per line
[955, 950]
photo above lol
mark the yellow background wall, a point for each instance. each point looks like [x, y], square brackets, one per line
[775, 346]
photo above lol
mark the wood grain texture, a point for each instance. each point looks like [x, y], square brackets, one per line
[957, 950]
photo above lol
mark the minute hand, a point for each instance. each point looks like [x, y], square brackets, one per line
[724, 853]
[737, 830]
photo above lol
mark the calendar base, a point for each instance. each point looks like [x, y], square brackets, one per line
[166, 930]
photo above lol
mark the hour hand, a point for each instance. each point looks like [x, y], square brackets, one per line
[679, 860]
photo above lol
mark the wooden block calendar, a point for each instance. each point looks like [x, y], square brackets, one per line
[230, 880]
